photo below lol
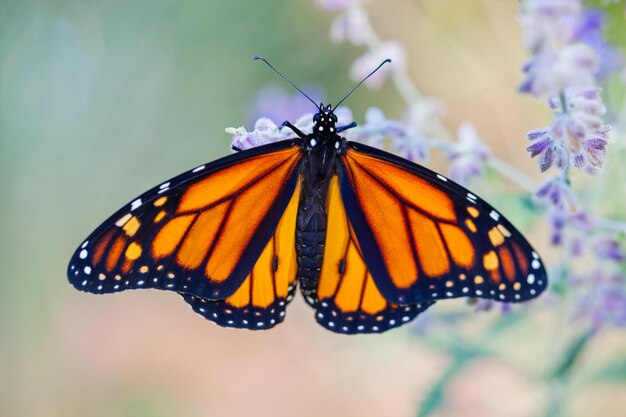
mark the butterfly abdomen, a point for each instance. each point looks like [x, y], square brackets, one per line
[311, 222]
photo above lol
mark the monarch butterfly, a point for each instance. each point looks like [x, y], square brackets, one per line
[372, 239]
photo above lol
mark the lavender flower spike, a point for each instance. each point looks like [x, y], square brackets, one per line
[577, 134]
[265, 131]
[468, 155]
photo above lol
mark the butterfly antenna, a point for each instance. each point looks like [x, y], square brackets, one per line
[284, 78]
[362, 81]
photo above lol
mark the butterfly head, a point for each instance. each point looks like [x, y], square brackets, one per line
[325, 120]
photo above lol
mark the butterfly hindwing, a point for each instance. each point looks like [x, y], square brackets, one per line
[427, 238]
[200, 233]
[348, 300]
[260, 302]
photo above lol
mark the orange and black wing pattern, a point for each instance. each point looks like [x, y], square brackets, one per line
[211, 233]
[260, 302]
[348, 299]
[425, 237]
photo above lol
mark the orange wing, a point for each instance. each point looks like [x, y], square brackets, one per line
[348, 299]
[260, 302]
[427, 238]
[200, 233]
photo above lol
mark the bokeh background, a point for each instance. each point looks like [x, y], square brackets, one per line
[100, 100]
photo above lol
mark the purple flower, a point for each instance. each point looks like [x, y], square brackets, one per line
[551, 71]
[557, 219]
[344, 116]
[335, 5]
[603, 299]
[556, 193]
[607, 247]
[567, 46]
[468, 155]
[548, 23]
[483, 304]
[589, 30]
[376, 128]
[577, 134]
[371, 59]
[405, 141]
[352, 26]
[411, 146]
[275, 103]
[569, 230]
[420, 115]
[550, 152]
[265, 131]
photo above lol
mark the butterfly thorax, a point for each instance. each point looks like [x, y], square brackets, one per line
[322, 148]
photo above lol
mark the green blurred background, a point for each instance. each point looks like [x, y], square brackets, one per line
[100, 100]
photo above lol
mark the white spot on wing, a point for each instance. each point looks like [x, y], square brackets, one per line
[83, 254]
[494, 215]
[135, 204]
[122, 220]
[200, 168]
[442, 178]
[536, 264]
[84, 245]
[87, 270]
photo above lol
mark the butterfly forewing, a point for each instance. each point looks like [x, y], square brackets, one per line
[427, 238]
[200, 233]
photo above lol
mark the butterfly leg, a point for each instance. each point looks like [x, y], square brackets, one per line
[297, 131]
[346, 127]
